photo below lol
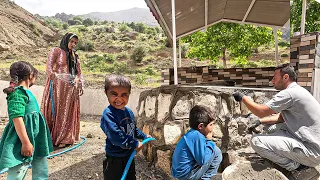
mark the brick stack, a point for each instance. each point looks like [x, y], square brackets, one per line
[302, 56]
[165, 74]
[251, 77]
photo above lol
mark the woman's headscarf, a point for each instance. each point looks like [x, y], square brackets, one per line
[72, 60]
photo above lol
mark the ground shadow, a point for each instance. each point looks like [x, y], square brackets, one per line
[88, 169]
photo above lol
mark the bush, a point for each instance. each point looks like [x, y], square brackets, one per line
[83, 29]
[110, 58]
[123, 28]
[122, 55]
[65, 26]
[284, 44]
[54, 23]
[74, 22]
[120, 67]
[140, 79]
[138, 54]
[284, 55]
[87, 22]
[150, 71]
[85, 45]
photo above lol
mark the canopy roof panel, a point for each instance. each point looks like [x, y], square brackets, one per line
[195, 15]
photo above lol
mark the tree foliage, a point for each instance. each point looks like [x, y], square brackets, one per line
[312, 16]
[87, 22]
[238, 40]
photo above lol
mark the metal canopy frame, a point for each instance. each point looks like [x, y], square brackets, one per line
[179, 18]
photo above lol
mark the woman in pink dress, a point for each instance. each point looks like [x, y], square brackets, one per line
[60, 102]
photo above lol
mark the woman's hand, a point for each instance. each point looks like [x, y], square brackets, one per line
[80, 92]
[52, 76]
[27, 149]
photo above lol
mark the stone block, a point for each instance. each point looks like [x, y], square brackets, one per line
[251, 171]
[141, 108]
[182, 108]
[172, 133]
[208, 100]
[164, 101]
[150, 106]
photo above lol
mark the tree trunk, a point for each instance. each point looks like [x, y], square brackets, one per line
[224, 57]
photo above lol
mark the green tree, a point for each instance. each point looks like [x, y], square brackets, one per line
[78, 18]
[87, 22]
[312, 16]
[238, 40]
[65, 26]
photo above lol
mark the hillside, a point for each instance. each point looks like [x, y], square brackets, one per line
[20, 29]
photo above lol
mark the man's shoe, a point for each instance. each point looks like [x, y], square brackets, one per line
[307, 173]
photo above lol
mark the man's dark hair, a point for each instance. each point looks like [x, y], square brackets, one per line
[287, 69]
[116, 80]
[200, 114]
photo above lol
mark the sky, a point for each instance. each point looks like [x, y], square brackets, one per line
[77, 7]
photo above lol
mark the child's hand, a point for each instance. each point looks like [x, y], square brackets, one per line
[27, 149]
[148, 136]
[139, 147]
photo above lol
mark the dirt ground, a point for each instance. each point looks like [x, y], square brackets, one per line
[85, 162]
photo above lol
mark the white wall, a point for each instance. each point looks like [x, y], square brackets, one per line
[92, 102]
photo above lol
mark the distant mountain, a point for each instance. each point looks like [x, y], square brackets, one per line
[129, 15]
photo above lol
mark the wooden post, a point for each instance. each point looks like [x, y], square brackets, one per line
[315, 89]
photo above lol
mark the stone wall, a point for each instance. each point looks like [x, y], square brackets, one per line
[302, 57]
[163, 113]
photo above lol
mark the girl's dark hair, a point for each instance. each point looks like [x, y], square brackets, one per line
[116, 80]
[19, 71]
[200, 114]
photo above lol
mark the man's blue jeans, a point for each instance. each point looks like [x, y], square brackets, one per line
[39, 170]
[208, 170]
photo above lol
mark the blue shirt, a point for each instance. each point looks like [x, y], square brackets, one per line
[121, 131]
[192, 149]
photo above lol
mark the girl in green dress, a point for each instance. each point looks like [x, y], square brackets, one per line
[26, 139]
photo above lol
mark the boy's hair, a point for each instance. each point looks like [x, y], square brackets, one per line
[287, 69]
[200, 114]
[19, 71]
[116, 80]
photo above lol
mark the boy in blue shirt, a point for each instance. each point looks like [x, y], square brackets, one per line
[117, 122]
[196, 156]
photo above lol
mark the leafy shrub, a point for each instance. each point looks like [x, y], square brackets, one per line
[110, 58]
[150, 71]
[123, 28]
[65, 26]
[85, 45]
[284, 44]
[87, 22]
[140, 79]
[122, 55]
[138, 54]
